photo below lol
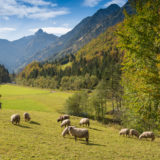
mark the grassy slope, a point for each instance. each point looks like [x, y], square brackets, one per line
[42, 140]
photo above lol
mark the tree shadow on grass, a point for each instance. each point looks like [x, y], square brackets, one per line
[33, 122]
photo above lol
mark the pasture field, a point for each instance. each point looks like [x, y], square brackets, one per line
[41, 138]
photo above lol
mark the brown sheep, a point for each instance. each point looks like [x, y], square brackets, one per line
[79, 132]
[84, 121]
[26, 116]
[63, 117]
[133, 132]
[147, 134]
[15, 119]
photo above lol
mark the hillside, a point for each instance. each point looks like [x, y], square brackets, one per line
[97, 60]
[15, 53]
[106, 42]
[41, 138]
[84, 32]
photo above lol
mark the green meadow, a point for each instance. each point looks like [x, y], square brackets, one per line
[41, 138]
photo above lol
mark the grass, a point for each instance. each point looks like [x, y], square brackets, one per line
[41, 138]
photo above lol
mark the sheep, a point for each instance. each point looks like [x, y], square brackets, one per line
[63, 117]
[66, 131]
[133, 132]
[79, 132]
[147, 134]
[65, 123]
[84, 121]
[26, 116]
[124, 131]
[15, 119]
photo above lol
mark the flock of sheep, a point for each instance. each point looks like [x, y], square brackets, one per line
[15, 118]
[133, 132]
[72, 130]
[83, 132]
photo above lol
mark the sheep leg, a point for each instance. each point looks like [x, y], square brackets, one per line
[75, 138]
[87, 140]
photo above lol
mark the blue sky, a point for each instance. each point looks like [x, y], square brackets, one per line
[20, 18]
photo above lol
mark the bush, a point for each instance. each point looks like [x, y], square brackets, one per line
[77, 104]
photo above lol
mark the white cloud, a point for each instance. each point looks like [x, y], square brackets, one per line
[6, 29]
[38, 2]
[5, 18]
[119, 2]
[37, 10]
[54, 22]
[65, 25]
[43, 14]
[91, 3]
[53, 30]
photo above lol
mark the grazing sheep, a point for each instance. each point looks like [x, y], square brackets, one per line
[79, 132]
[147, 134]
[63, 117]
[66, 131]
[65, 123]
[26, 116]
[133, 132]
[124, 131]
[84, 121]
[15, 119]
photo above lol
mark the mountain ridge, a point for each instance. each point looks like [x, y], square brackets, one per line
[11, 51]
[55, 51]
[47, 47]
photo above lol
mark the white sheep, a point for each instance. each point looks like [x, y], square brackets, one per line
[66, 131]
[79, 132]
[26, 116]
[84, 121]
[147, 134]
[63, 117]
[124, 131]
[15, 119]
[65, 123]
[133, 132]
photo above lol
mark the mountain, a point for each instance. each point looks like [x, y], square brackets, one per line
[97, 60]
[14, 54]
[84, 32]
[47, 47]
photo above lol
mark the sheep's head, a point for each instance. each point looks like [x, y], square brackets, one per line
[70, 128]
[59, 119]
[120, 133]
